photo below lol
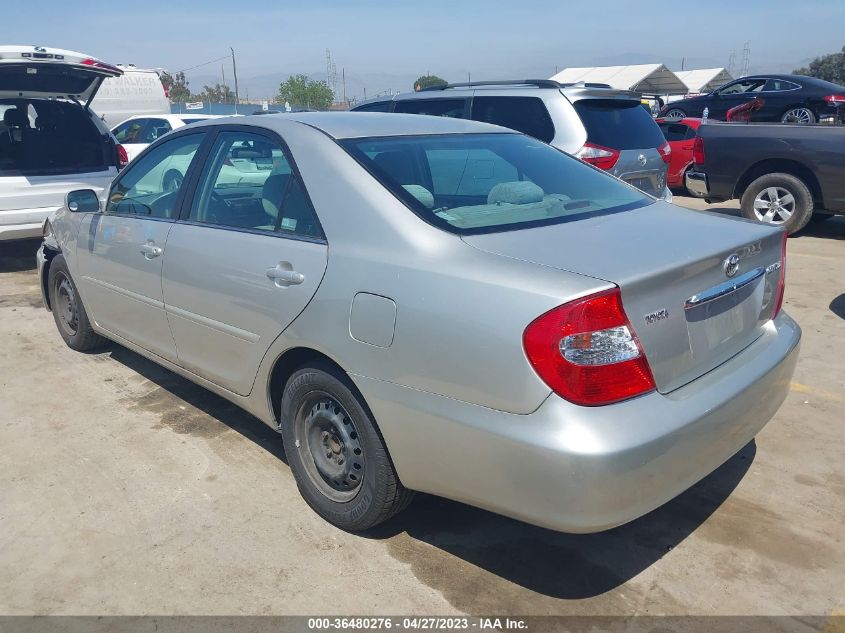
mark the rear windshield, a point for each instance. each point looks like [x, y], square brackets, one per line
[481, 183]
[189, 121]
[618, 124]
[53, 79]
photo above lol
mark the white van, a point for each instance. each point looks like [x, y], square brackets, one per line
[50, 140]
[137, 92]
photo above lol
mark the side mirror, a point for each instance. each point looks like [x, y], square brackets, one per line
[82, 201]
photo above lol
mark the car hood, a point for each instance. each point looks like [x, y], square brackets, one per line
[35, 72]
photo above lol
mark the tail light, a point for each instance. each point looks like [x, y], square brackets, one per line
[835, 99]
[587, 351]
[122, 157]
[602, 157]
[665, 152]
[698, 151]
[96, 63]
[781, 279]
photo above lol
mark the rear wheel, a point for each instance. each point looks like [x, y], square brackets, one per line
[675, 114]
[68, 311]
[778, 199]
[335, 452]
[798, 115]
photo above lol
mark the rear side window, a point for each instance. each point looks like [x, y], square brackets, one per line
[155, 129]
[618, 124]
[379, 106]
[524, 114]
[453, 108]
[779, 85]
[674, 131]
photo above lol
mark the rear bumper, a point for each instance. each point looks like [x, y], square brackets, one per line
[696, 184]
[581, 469]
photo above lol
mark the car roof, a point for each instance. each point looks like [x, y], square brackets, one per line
[343, 125]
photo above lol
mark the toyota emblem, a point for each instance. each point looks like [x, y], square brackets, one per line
[731, 265]
[643, 160]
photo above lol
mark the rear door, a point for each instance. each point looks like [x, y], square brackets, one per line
[120, 251]
[243, 262]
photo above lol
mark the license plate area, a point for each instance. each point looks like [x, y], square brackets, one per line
[727, 322]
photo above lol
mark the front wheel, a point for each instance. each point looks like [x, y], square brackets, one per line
[778, 199]
[337, 457]
[798, 115]
[68, 311]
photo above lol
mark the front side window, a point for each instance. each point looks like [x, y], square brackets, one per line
[479, 183]
[129, 132]
[523, 114]
[452, 108]
[150, 186]
[248, 183]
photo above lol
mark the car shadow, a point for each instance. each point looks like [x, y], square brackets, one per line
[837, 306]
[830, 228]
[569, 566]
[220, 409]
[18, 255]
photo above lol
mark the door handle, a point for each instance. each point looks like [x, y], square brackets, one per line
[284, 275]
[150, 250]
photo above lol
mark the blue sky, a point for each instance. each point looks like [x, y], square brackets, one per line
[381, 43]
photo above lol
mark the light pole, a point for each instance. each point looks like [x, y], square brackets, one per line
[235, 73]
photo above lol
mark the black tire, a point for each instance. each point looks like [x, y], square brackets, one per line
[802, 209]
[337, 456]
[68, 311]
[677, 114]
[172, 180]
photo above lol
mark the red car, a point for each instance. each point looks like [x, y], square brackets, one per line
[681, 136]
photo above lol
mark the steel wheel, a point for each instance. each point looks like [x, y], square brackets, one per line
[675, 114]
[799, 115]
[330, 448]
[774, 205]
[67, 308]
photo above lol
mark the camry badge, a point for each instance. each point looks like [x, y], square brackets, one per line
[731, 265]
[643, 160]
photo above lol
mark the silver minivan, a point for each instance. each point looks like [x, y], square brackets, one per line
[602, 126]
[51, 142]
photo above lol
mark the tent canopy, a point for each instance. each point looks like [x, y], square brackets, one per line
[704, 80]
[650, 79]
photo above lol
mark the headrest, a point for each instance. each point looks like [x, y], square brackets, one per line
[423, 195]
[15, 117]
[516, 192]
[273, 192]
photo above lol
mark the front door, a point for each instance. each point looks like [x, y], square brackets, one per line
[244, 261]
[733, 95]
[120, 251]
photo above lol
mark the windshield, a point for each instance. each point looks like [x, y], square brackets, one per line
[480, 183]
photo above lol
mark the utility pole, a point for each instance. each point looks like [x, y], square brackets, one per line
[343, 75]
[235, 73]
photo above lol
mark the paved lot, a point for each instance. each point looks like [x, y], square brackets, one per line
[125, 489]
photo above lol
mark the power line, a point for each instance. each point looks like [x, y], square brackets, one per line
[219, 59]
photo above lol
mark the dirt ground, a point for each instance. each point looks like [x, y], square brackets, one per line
[125, 489]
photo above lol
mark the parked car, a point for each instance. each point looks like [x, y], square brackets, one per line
[681, 137]
[783, 174]
[136, 132]
[137, 92]
[785, 99]
[604, 127]
[50, 140]
[422, 303]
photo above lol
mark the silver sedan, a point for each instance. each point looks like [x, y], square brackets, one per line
[440, 305]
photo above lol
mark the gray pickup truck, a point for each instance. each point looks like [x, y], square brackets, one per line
[782, 174]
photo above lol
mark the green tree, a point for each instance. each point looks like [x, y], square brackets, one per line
[828, 67]
[426, 81]
[176, 86]
[300, 90]
[218, 93]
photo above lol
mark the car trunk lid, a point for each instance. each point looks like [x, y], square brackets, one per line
[35, 72]
[670, 265]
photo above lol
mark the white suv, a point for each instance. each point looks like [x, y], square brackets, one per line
[50, 140]
[604, 127]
